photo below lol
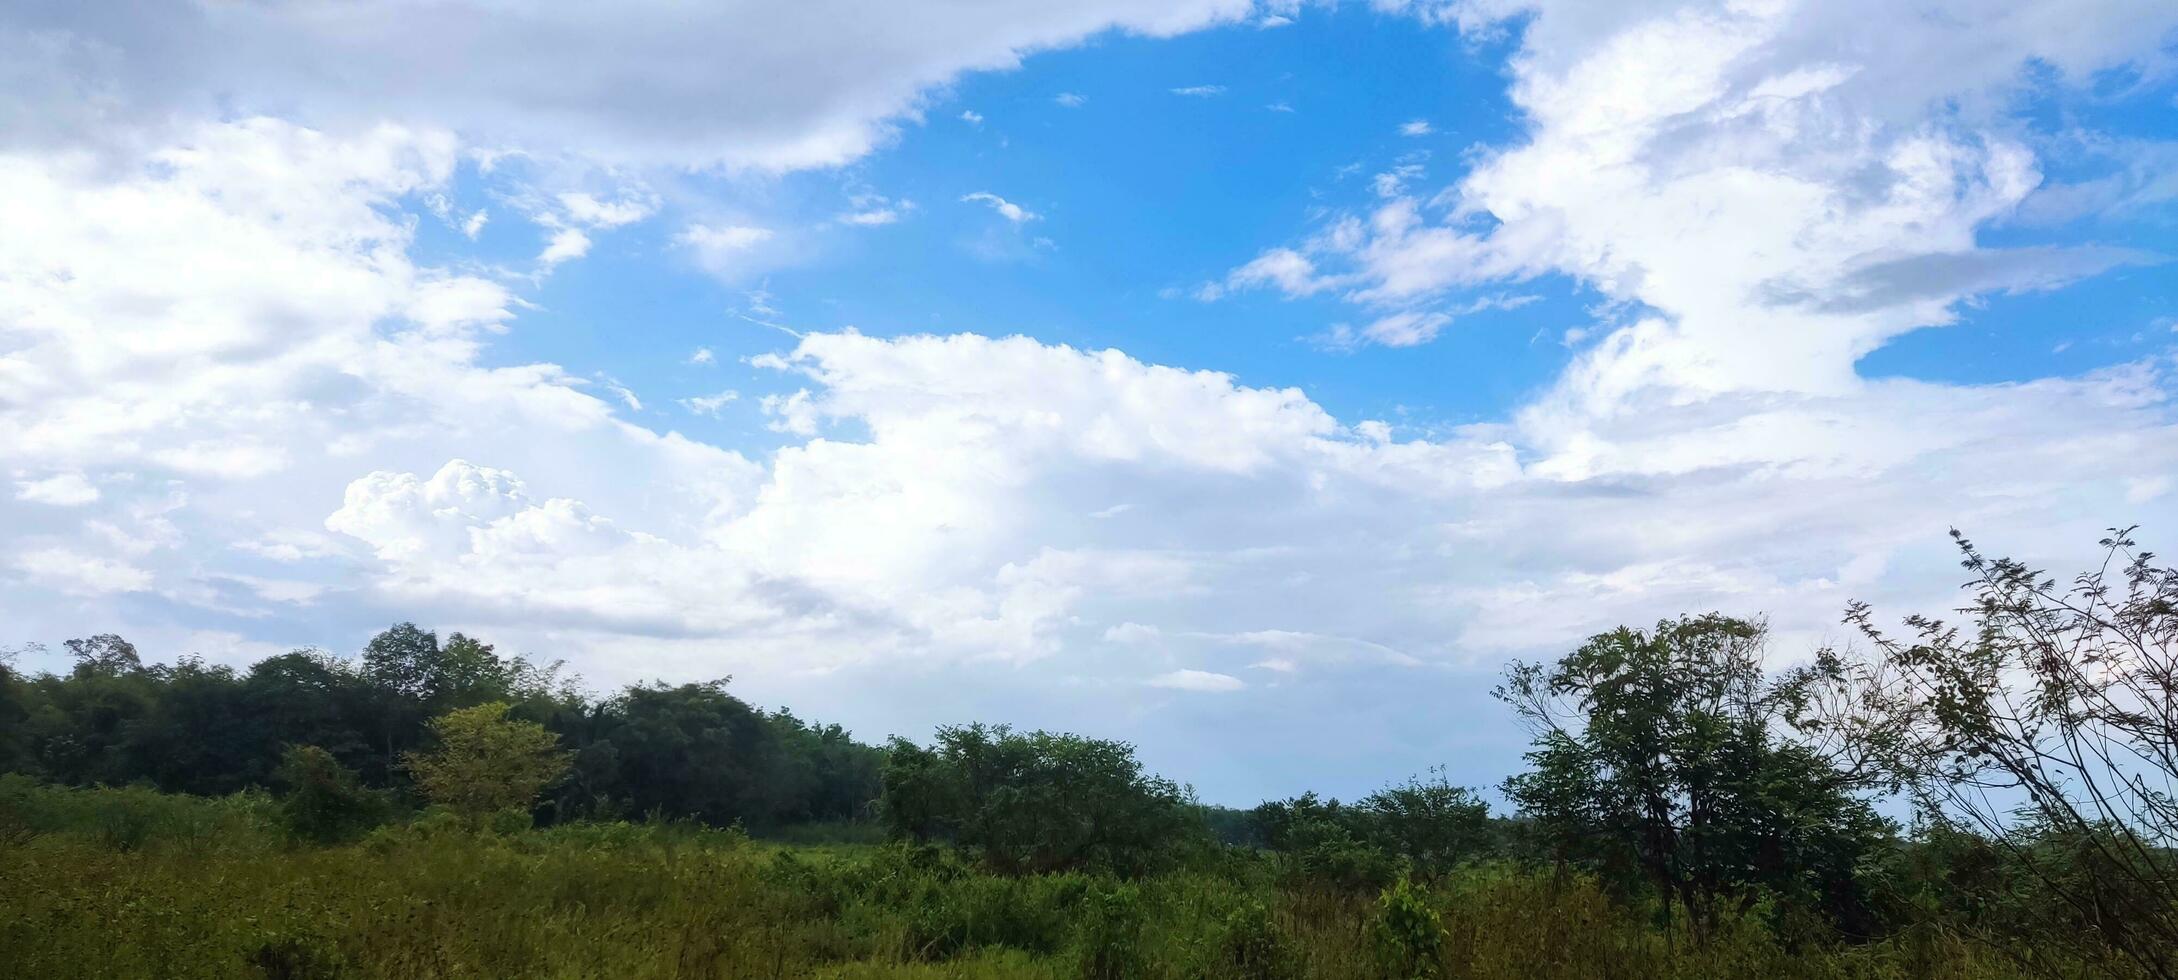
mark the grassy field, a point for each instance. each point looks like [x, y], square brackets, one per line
[121, 883]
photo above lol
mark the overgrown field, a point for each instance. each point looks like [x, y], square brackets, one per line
[131, 883]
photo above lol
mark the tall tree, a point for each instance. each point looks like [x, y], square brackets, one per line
[1658, 752]
[486, 763]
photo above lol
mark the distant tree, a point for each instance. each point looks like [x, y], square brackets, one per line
[309, 697]
[196, 736]
[1433, 824]
[104, 654]
[691, 750]
[82, 729]
[15, 694]
[1324, 842]
[1660, 753]
[322, 801]
[486, 763]
[1038, 801]
[403, 659]
[1425, 826]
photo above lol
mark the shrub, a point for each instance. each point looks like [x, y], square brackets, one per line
[1110, 944]
[1249, 946]
[324, 802]
[1408, 934]
[1037, 802]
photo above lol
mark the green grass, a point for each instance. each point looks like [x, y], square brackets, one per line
[202, 888]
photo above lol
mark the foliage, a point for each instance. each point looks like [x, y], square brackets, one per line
[1424, 826]
[1684, 815]
[486, 763]
[688, 751]
[1037, 802]
[650, 902]
[322, 801]
[1657, 759]
[1408, 933]
[2042, 731]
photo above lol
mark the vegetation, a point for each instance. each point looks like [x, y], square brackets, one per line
[441, 811]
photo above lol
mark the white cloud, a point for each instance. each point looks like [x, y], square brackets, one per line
[710, 404]
[723, 249]
[586, 209]
[1291, 272]
[1415, 127]
[1200, 91]
[565, 244]
[872, 209]
[1726, 165]
[59, 490]
[738, 84]
[1071, 100]
[474, 224]
[1006, 209]
[625, 394]
[1406, 329]
[1198, 680]
[971, 117]
[76, 574]
[239, 330]
[703, 355]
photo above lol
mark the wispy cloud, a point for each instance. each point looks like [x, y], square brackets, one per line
[1006, 209]
[709, 404]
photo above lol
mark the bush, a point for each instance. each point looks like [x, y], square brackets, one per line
[1038, 802]
[1110, 944]
[1249, 946]
[1408, 933]
[135, 818]
[324, 802]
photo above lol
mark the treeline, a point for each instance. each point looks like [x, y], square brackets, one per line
[2034, 746]
[691, 751]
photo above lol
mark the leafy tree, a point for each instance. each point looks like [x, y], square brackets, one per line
[104, 654]
[322, 801]
[15, 754]
[309, 697]
[486, 763]
[1657, 753]
[1430, 822]
[404, 659]
[1425, 826]
[1037, 802]
[692, 750]
[2045, 729]
[195, 737]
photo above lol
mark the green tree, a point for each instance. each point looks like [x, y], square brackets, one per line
[691, 750]
[105, 654]
[486, 763]
[321, 800]
[1037, 802]
[1430, 822]
[2046, 730]
[1658, 753]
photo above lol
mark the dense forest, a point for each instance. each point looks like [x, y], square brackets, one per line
[1988, 797]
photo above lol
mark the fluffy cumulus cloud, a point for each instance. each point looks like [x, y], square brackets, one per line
[740, 84]
[199, 349]
[240, 407]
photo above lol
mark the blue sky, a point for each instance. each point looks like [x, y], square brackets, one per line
[1249, 380]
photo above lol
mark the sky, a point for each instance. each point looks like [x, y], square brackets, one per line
[1250, 380]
